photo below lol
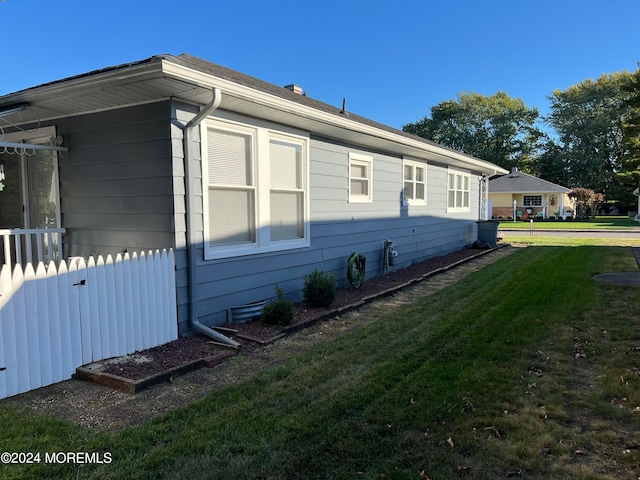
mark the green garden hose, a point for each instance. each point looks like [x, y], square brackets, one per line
[356, 269]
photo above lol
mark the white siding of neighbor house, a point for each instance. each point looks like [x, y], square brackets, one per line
[337, 228]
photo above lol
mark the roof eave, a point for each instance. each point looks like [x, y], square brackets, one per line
[412, 146]
[90, 81]
[518, 192]
[335, 125]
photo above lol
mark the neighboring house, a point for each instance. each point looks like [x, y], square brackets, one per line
[533, 197]
[251, 184]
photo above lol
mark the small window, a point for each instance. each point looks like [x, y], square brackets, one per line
[360, 178]
[532, 201]
[414, 186]
[458, 192]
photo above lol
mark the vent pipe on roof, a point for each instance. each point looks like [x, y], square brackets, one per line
[514, 172]
[344, 107]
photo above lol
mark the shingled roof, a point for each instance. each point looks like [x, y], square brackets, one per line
[520, 182]
[189, 79]
[205, 66]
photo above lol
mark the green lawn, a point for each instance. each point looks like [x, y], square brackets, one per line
[542, 241]
[526, 369]
[599, 223]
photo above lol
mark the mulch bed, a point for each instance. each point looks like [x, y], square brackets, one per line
[187, 349]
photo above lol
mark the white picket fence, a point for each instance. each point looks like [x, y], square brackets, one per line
[55, 319]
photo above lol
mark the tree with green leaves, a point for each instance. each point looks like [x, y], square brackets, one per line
[587, 118]
[499, 128]
[629, 177]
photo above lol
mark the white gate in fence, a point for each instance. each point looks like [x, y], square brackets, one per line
[55, 319]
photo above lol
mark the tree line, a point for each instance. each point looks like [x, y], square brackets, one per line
[590, 139]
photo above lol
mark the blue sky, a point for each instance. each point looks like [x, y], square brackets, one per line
[391, 60]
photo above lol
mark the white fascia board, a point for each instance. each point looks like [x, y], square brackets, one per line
[84, 84]
[298, 109]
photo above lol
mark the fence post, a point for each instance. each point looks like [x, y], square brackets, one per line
[65, 320]
[44, 321]
[53, 300]
[73, 282]
[22, 348]
[144, 301]
[128, 304]
[135, 302]
[164, 297]
[173, 300]
[30, 300]
[151, 295]
[86, 332]
[103, 312]
[94, 311]
[119, 305]
[8, 360]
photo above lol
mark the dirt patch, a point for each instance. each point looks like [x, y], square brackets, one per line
[143, 364]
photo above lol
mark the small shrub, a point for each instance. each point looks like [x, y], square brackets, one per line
[279, 311]
[319, 288]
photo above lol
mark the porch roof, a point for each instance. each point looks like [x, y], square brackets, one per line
[191, 79]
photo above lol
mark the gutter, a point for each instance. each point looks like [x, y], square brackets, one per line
[314, 114]
[191, 221]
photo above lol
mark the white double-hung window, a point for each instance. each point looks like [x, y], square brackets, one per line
[287, 192]
[414, 182]
[360, 178]
[255, 189]
[458, 191]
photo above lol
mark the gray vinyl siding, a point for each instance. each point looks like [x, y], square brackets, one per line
[337, 228]
[181, 114]
[116, 182]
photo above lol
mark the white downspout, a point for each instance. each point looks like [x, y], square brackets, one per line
[191, 221]
[483, 194]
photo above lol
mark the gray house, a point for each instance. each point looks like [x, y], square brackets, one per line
[250, 183]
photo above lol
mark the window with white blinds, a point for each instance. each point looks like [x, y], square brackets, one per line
[255, 189]
[287, 192]
[231, 187]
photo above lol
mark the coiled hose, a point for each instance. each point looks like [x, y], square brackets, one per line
[356, 269]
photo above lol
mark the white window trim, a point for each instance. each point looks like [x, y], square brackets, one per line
[464, 174]
[414, 164]
[41, 136]
[524, 203]
[262, 133]
[363, 160]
